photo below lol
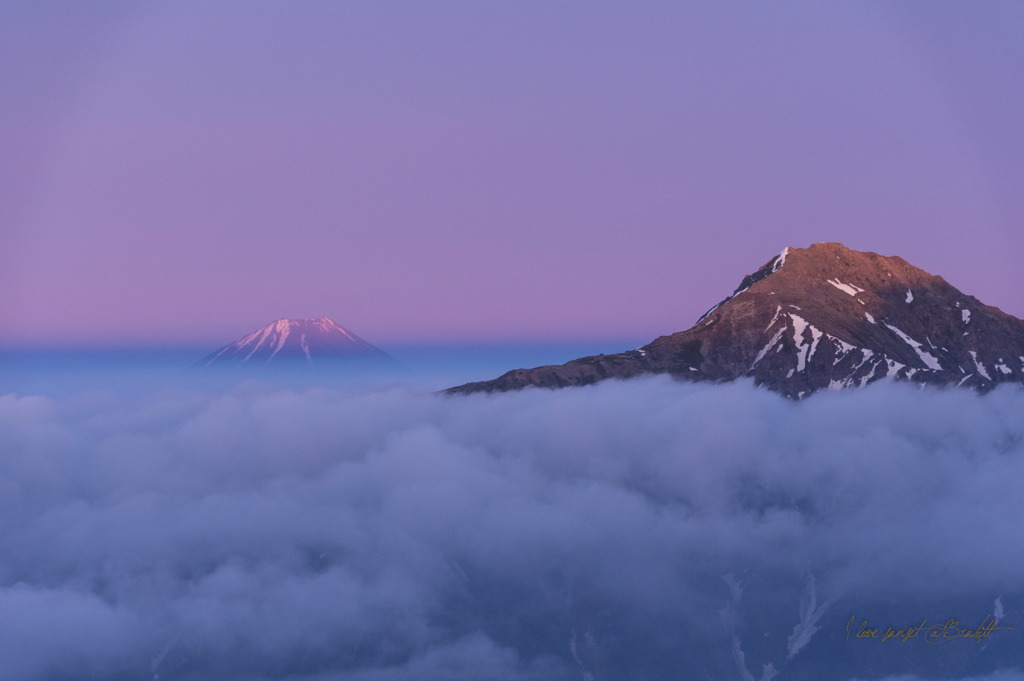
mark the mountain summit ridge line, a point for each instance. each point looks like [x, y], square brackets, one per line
[822, 317]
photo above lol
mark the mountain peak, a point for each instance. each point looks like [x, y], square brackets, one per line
[822, 317]
[303, 339]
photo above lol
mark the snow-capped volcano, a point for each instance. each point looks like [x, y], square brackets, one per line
[304, 339]
[820, 317]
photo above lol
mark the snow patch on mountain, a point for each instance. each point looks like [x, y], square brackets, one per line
[765, 349]
[842, 349]
[846, 288]
[929, 360]
[780, 260]
[978, 365]
[892, 368]
[804, 348]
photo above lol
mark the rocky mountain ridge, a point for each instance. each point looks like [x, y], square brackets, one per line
[823, 317]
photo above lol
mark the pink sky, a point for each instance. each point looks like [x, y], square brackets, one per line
[186, 172]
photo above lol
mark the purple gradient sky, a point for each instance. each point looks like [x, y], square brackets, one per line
[185, 172]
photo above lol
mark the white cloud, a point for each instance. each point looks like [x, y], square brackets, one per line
[266, 533]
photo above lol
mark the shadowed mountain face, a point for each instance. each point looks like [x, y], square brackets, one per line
[305, 340]
[814, 318]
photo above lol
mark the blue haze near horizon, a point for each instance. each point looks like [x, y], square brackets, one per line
[66, 371]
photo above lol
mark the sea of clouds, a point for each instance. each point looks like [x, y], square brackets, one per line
[643, 529]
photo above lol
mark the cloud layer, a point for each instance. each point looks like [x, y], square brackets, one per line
[640, 529]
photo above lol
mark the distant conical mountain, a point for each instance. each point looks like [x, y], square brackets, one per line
[307, 340]
[815, 318]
